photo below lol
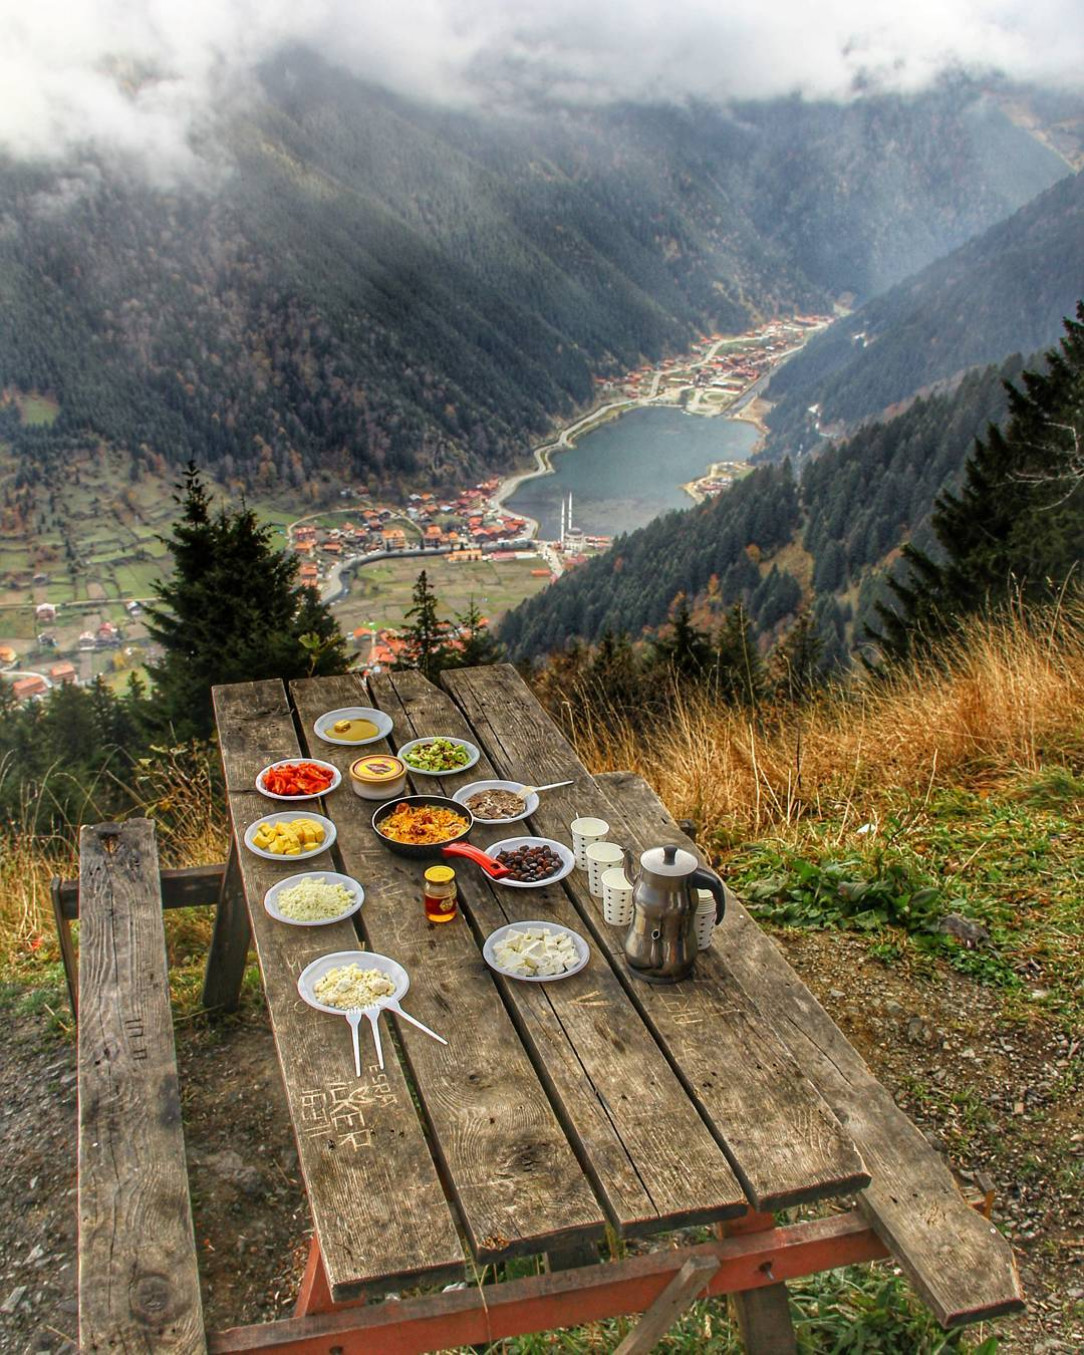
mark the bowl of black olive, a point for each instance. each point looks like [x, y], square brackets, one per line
[532, 861]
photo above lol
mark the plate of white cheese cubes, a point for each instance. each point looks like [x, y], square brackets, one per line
[537, 952]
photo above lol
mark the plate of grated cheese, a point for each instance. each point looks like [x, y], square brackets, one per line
[314, 898]
[352, 979]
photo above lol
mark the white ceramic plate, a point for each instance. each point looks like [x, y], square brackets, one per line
[331, 877]
[464, 793]
[336, 779]
[508, 843]
[287, 816]
[364, 959]
[451, 771]
[554, 928]
[323, 724]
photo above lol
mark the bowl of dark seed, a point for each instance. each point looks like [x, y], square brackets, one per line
[532, 861]
[496, 801]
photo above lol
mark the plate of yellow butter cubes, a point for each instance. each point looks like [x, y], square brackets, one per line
[289, 836]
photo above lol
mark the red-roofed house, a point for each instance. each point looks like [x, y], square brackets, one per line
[63, 672]
[26, 687]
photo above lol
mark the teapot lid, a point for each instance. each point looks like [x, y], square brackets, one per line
[671, 861]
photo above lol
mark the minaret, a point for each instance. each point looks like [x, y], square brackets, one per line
[562, 523]
[570, 512]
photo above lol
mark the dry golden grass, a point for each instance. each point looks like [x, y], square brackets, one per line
[175, 789]
[1007, 697]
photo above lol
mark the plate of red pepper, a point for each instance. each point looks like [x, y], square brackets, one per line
[297, 779]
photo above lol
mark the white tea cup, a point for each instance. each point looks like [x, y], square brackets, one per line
[601, 856]
[705, 918]
[616, 897]
[584, 832]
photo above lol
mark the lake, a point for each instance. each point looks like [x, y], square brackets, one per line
[627, 472]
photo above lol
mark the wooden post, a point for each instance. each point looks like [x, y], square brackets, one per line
[763, 1315]
[229, 944]
[67, 950]
[668, 1307]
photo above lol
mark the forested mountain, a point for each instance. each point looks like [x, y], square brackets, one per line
[774, 542]
[1006, 291]
[389, 290]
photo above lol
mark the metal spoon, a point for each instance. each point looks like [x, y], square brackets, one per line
[524, 791]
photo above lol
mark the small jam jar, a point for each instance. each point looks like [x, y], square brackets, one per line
[440, 894]
[378, 776]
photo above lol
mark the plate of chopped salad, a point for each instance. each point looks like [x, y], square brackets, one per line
[314, 898]
[439, 755]
[298, 779]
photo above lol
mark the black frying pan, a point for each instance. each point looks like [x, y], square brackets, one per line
[454, 846]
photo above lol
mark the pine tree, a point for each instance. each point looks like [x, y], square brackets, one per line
[477, 645]
[1016, 527]
[686, 651]
[796, 670]
[737, 670]
[230, 612]
[426, 636]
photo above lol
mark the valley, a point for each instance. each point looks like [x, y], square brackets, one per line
[83, 549]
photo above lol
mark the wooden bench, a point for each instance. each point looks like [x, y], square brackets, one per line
[212, 886]
[138, 1276]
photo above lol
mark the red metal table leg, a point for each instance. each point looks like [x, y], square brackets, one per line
[314, 1296]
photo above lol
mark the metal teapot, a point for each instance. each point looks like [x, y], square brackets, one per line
[661, 943]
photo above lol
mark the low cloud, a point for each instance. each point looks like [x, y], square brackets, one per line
[142, 79]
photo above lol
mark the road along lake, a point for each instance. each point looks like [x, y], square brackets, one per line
[627, 472]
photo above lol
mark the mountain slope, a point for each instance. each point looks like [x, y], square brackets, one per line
[387, 290]
[1006, 291]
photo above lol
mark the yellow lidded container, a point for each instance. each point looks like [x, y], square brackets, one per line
[378, 776]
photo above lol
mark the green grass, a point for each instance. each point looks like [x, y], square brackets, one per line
[1008, 860]
[381, 592]
[37, 409]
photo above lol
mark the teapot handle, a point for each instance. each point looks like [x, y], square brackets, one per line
[629, 862]
[702, 878]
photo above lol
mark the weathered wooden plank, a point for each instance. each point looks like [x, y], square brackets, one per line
[182, 887]
[504, 1155]
[228, 952]
[668, 1307]
[785, 1145]
[654, 1163]
[955, 1258]
[138, 1276]
[378, 1206]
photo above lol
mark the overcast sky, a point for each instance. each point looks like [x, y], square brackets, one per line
[66, 66]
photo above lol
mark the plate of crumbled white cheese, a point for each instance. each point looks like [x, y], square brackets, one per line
[538, 952]
[314, 898]
[348, 979]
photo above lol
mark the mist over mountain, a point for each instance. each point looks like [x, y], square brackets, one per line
[1005, 291]
[384, 288]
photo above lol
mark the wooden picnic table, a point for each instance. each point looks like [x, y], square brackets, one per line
[565, 1115]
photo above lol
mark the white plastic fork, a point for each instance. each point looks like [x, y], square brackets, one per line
[394, 1006]
[373, 1013]
[353, 1015]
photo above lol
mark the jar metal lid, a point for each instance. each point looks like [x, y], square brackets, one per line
[440, 875]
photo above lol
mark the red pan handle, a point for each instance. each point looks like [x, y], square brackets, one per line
[487, 863]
